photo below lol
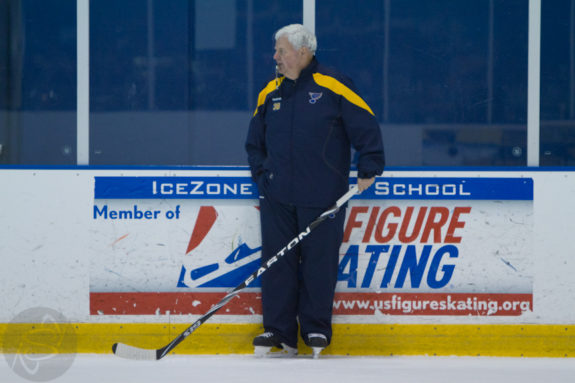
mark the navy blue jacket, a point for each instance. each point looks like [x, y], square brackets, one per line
[300, 138]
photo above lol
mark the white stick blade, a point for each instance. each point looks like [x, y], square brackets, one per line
[135, 353]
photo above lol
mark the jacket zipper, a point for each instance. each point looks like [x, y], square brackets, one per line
[292, 113]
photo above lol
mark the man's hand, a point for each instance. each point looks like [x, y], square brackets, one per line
[364, 183]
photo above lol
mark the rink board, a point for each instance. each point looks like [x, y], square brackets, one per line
[429, 258]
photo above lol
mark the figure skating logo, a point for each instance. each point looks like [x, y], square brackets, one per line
[212, 275]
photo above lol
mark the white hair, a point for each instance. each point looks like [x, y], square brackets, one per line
[298, 36]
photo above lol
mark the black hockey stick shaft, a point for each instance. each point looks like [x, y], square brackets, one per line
[138, 353]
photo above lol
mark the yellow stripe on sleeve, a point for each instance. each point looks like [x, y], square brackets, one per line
[270, 87]
[338, 88]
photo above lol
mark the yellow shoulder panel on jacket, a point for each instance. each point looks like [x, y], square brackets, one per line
[270, 87]
[338, 88]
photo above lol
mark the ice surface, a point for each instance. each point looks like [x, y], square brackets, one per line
[327, 369]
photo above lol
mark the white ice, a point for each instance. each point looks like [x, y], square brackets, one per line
[328, 369]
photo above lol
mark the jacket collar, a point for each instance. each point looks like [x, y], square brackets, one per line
[305, 72]
[310, 69]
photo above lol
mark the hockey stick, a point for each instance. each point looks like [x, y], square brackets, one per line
[131, 352]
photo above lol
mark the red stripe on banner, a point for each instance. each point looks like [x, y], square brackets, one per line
[249, 303]
[171, 303]
[432, 304]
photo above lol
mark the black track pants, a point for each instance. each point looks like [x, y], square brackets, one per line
[302, 283]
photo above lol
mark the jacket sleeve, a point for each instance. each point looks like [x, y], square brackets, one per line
[255, 143]
[363, 131]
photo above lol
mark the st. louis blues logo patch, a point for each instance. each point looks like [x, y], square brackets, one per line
[313, 97]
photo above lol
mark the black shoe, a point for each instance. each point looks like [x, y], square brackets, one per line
[265, 342]
[317, 342]
[267, 339]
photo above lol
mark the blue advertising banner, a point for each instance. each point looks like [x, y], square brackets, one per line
[399, 188]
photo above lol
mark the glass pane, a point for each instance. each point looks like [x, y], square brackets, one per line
[447, 79]
[557, 138]
[175, 83]
[38, 82]
[4, 79]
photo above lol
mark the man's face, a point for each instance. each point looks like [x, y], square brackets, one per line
[288, 60]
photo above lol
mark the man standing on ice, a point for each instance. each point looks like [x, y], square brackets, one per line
[299, 150]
